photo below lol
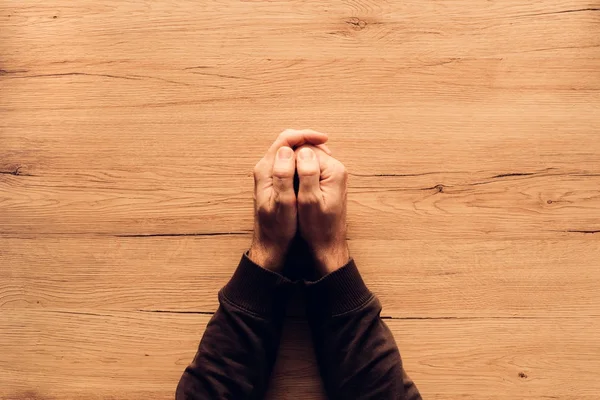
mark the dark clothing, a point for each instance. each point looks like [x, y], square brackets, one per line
[356, 352]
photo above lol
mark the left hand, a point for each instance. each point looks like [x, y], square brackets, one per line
[322, 198]
[275, 210]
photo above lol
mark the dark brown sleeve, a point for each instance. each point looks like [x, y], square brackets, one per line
[357, 355]
[237, 352]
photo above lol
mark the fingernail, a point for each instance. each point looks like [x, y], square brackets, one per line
[306, 154]
[285, 153]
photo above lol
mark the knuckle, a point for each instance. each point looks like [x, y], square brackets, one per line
[263, 212]
[307, 171]
[288, 201]
[344, 171]
[286, 134]
[307, 199]
[340, 171]
[258, 168]
[284, 201]
[282, 174]
[300, 147]
[331, 212]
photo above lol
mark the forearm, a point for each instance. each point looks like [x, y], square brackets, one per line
[356, 351]
[237, 352]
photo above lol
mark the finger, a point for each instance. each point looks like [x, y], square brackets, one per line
[262, 173]
[325, 148]
[323, 158]
[264, 168]
[294, 138]
[331, 170]
[309, 172]
[283, 177]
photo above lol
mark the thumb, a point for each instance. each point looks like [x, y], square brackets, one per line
[309, 171]
[283, 177]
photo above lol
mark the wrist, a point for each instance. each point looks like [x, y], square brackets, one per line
[268, 257]
[332, 258]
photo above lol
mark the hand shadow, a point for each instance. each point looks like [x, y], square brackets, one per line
[299, 263]
[296, 357]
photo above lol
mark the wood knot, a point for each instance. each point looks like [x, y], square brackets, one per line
[31, 395]
[522, 375]
[357, 23]
[16, 170]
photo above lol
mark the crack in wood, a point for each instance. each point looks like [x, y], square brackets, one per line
[133, 77]
[77, 74]
[160, 79]
[576, 10]
[513, 174]
[80, 313]
[440, 187]
[403, 175]
[303, 317]
[448, 61]
[223, 76]
[15, 71]
[178, 312]
[386, 317]
[456, 318]
[145, 235]
[558, 48]
[196, 67]
[503, 175]
[15, 172]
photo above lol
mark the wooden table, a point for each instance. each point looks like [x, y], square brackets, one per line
[129, 129]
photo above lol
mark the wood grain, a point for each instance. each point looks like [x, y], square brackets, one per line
[533, 357]
[128, 131]
[415, 278]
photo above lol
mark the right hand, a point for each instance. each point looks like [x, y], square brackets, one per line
[321, 206]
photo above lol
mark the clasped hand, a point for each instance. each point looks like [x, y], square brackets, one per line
[318, 211]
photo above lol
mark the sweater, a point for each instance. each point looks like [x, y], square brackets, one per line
[355, 350]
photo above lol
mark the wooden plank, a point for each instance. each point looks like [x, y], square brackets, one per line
[540, 204]
[138, 355]
[168, 32]
[511, 83]
[416, 278]
[427, 143]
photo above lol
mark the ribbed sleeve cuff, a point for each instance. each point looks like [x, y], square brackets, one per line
[337, 293]
[257, 290]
